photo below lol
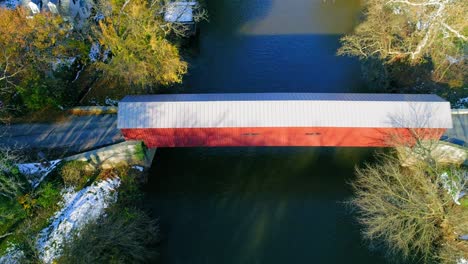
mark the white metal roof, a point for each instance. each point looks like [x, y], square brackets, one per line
[284, 110]
[181, 12]
[33, 8]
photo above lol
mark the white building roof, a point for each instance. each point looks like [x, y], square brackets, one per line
[51, 7]
[33, 8]
[181, 12]
[284, 110]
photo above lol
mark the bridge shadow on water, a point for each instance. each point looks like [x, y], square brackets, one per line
[256, 205]
[274, 46]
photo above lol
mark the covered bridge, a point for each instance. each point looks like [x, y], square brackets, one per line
[282, 119]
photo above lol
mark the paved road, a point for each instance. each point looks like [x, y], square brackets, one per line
[460, 126]
[77, 134]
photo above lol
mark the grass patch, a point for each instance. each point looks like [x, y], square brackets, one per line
[77, 173]
[140, 150]
[464, 202]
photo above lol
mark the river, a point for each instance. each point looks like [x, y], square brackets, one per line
[263, 205]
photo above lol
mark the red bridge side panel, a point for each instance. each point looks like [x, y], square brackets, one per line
[278, 136]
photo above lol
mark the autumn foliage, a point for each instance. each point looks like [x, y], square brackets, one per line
[29, 47]
[141, 55]
[34, 49]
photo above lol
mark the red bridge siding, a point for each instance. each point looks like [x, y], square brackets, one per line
[274, 136]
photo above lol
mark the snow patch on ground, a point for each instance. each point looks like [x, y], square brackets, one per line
[13, 256]
[98, 17]
[95, 52]
[111, 102]
[461, 104]
[78, 209]
[455, 184]
[59, 63]
[179, 12]
[462, 261]
[36, 172]
[98, 53]
[139, 168]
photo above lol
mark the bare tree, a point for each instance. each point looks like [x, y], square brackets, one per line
[11, 184]
[399, 208]
[405, 30]
[412, 209]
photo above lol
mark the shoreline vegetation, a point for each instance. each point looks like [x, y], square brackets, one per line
[421, 49]
[56, 220]
[414, 213]
[103, 55]
[84, 66]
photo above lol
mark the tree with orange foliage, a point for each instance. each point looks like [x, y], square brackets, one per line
[29, 46]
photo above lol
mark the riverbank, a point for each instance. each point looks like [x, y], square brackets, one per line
[68, 199]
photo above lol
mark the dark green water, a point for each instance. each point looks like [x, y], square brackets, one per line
[256, 205]
[274, 46]
[263, 205]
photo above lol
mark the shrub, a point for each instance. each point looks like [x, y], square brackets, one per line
[12, 188]
[36, 93]
[129, 190]
[12, 183]
[28, 202]
[48, 195]
[140, 151]
[125, 235]
[456, 224]
[21, 219]
[75, 173]
[11, 212]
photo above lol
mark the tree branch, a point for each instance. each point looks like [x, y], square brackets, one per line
[454, 31]
[412, 4]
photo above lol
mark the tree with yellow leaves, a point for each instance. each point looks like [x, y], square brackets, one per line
[140, 54]
[29, 48]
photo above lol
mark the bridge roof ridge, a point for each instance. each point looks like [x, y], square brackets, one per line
[210, 97]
